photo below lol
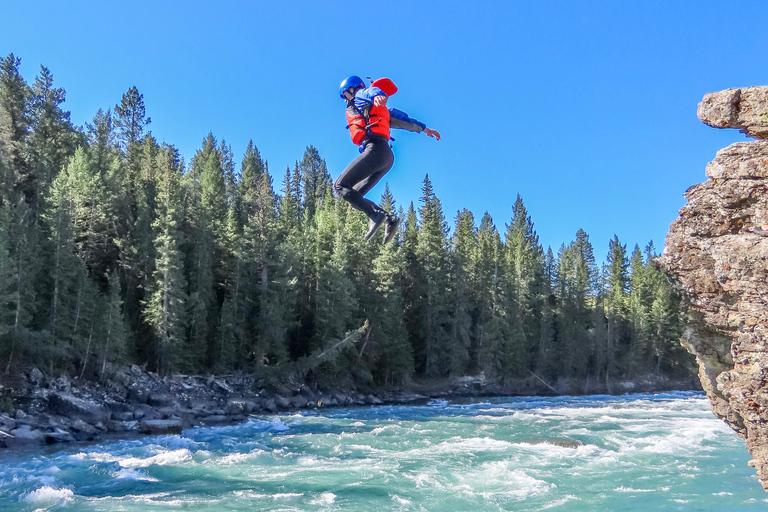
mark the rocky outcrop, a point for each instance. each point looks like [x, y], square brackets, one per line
[742, 108]
[720, 265]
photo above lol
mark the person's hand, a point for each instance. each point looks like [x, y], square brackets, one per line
[432, 133]
[380, 100]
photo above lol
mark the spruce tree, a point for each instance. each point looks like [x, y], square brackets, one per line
[165, 308]
[315, 179]
[131, 118]
[14, 131]
[53, 138]
[433, 252]
[616, 287]
[395, 363]
[413, 290]
[464, 302]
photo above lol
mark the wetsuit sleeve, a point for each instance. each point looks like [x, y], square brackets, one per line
[399, 119]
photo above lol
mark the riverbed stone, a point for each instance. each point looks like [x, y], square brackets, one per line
[26, 435]
[159, 427]
[69, 405]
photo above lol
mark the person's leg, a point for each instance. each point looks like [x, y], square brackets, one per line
[363, 174]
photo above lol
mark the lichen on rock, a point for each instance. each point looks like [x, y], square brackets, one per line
[720, 265]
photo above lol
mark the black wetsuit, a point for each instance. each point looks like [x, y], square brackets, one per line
[364, 173]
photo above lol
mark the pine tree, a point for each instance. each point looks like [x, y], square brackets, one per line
[7, 289]
[524, 271]
[616, 284]
[495, 337]
[465, 289]
[433, 252]
[53, 138]
[131, 118]
[165, 309]
[272, 291]
[395, 363]
[315, 179]
[14, 131]
[413, 290]
[114, 335]
[208, 218]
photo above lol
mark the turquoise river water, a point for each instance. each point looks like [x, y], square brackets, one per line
[598, 453]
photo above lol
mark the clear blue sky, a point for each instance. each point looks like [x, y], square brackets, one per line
[587, 109]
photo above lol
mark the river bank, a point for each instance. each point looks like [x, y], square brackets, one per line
[40, 411]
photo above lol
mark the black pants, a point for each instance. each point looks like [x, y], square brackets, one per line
[364, 173]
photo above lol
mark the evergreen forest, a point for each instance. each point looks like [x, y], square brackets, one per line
[116, 250]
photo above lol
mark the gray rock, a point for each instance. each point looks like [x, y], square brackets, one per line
[270, 405]
[562, 442]
[84, 427]
[215, 419]
[745, 109]
[138, 394]
[299, 401]
[36, 377]
[58, 436]
[282, 402]
[236, 407]
[720, 266]
[122, 426]
[7, 423]
[159, 427]
[25, 435]
[222, 387]
[161, 400]
[62, 384]
[72, 406]
[123, 416]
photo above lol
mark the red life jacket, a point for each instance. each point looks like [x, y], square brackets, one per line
[378, 122]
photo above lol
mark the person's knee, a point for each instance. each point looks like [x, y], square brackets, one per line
[342, 190]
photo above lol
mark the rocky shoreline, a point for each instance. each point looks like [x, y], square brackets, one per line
[42, 411]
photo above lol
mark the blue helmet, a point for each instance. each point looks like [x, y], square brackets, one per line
[351, 81]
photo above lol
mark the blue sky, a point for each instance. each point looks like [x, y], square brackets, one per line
[587, 109]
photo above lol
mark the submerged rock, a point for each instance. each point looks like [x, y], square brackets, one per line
[562, 442]
[719, 263]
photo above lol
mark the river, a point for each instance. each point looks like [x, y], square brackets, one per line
[596, 453]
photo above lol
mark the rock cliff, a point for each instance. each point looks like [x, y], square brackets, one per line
[720, 265]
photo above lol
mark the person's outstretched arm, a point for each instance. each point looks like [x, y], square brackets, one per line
[401, 120]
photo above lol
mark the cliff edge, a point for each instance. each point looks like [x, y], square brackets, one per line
[720, 265]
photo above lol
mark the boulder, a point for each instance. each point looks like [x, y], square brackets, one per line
[122, 426]
[282, 402]
[160, 427]
[270, 405]
[161, 400]
[36, 377]
[236, 407]
[24, 435]
[84, 427]
[74, 407]
[58, 436]
[215, 419]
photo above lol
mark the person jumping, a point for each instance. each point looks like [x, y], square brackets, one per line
[369, 123]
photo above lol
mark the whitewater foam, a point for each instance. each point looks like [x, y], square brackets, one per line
[48, 494]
